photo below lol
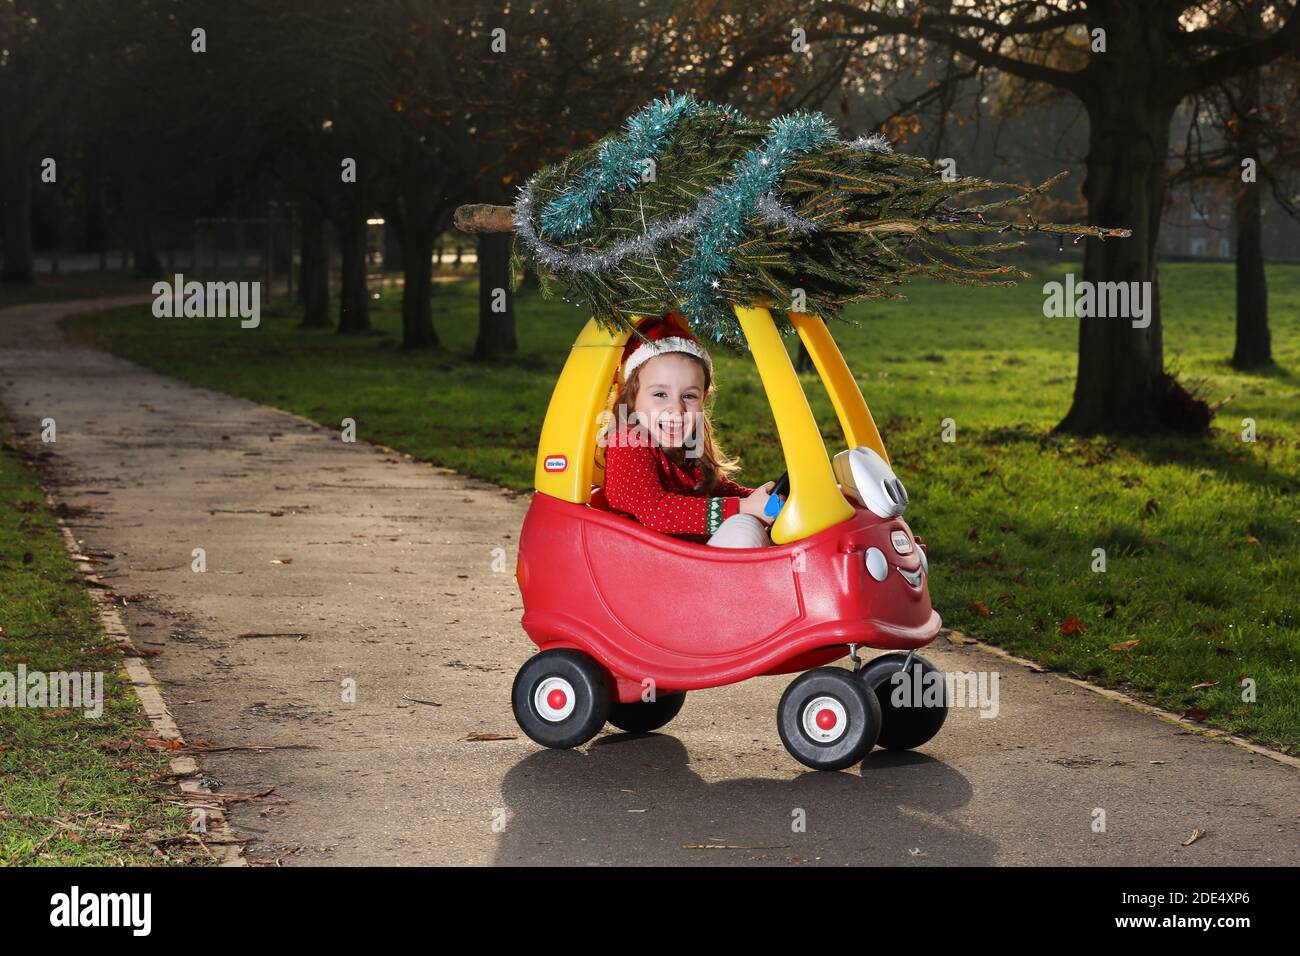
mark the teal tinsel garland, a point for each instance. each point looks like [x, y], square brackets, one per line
[746, 212]
[727, 207]
[621, 161]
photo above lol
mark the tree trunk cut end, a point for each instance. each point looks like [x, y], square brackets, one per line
[483, 217]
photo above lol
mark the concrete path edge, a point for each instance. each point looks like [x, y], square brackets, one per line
[218, 840]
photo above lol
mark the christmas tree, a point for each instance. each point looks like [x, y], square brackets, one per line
[693, 207]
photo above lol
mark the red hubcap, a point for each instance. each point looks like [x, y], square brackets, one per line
[557, 700]
[826, 718]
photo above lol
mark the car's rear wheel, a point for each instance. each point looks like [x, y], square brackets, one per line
[561, 698]
[642, 716]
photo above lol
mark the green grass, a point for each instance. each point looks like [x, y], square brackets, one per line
[1202, 536]
[73, 285]
[74, 791]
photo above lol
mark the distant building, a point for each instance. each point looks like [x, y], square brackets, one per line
[1196, 226]
[1199, 218]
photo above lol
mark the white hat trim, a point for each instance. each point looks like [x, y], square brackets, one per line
[673, 343]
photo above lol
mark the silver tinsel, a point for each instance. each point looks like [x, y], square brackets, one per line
[647, 243]
[875, 143]
[776, 212]
[659, 231]
[557, 260]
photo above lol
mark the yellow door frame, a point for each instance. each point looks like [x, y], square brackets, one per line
[566, 452]
[567, 449]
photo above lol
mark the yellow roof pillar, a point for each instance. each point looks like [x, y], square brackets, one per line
[566, 451]
[850, 407]
[815, 501]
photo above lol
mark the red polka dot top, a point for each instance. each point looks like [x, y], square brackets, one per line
[643, 483]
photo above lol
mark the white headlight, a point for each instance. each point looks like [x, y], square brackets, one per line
[877, 565]
[868, 478]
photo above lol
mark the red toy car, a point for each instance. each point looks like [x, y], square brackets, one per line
[845, 572]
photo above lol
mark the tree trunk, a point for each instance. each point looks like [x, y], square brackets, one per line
[313, 281]
[496, 330]
[803, 361]
[417, 268]
[16, 216]
[1122, 386]
[1254, 347]
[96, 235]
[354, 297]
[394, 249]
[144, 251]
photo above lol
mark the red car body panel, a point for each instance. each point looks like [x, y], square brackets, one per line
[686, 616]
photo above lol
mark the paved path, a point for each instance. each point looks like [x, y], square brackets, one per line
[392, 584]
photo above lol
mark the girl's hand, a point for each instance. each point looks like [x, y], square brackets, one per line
[755, 503]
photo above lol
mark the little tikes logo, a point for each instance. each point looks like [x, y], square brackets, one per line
[103, 909]
[555, 463]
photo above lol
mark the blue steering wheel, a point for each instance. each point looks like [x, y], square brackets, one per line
[776, 498]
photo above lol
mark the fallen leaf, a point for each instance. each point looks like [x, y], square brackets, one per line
[1196, 835]
[282, 561]
[1195, 713]
[1125, 645]
[981, 607]
[489, 736]
[1072, 625]
[1205, 683]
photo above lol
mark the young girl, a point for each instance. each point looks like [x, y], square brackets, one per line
[662, 465]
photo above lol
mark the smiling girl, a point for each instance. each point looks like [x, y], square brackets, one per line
[662, 464]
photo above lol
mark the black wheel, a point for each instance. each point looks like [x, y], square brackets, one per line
[914, 719]
[641, 717]
[827, 719]
[561, 698]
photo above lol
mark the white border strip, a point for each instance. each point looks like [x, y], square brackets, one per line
[1115, 695]
[194, 792]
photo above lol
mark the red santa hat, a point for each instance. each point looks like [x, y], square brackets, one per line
[668, 333]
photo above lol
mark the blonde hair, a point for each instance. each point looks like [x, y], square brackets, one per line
[714, 463]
